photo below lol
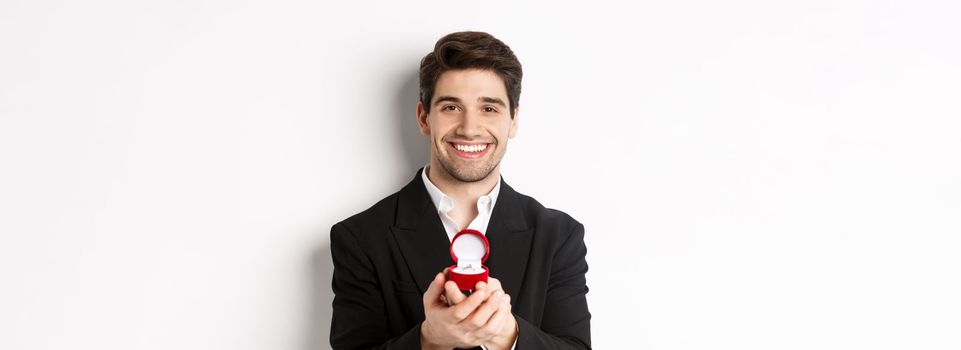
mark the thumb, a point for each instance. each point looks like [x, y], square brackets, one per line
[434, 290]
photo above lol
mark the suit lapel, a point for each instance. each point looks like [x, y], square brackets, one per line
[510, 240]
[424, 244]
[419, 234]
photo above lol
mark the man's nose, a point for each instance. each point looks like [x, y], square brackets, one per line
[471, 124]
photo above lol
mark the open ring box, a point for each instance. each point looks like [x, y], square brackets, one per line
[469, 249]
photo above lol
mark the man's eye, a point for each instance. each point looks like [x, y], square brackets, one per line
[489, 109]
[450, 108]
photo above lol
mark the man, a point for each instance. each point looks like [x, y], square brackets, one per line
[389, 260]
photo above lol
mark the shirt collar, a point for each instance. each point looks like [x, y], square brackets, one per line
[444, 204]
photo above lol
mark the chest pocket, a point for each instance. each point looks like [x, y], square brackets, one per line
[401, 287]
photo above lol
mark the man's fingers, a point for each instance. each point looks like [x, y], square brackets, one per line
[454, 295]
[483, 312]
[493, 284]
[480, 285]
[499, 319]
[467, 306]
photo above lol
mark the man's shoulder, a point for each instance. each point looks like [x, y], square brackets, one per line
[380, 214]
[542, 217]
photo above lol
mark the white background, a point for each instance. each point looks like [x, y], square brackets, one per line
[751, 174]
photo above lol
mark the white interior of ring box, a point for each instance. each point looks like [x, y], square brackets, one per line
[470, 249]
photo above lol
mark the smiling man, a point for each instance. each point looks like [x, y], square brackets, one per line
[390, 282]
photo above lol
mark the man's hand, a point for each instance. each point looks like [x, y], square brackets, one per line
[456, 320]
[507, 334]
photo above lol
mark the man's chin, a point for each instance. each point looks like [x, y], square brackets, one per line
[468, 179]
[469, 176]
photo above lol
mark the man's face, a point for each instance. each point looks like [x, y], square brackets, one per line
[468, 123]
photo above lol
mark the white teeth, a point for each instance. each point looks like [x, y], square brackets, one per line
[470, 148]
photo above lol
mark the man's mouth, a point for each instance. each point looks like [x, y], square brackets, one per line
[470, 150]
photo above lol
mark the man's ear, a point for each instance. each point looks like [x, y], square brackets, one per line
[422, 119]
[513, 131]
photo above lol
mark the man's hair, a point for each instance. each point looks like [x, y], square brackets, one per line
[470, 50]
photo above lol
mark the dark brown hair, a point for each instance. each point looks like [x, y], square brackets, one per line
[466, 50]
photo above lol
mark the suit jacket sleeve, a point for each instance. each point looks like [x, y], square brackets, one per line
[358, 320]
[566, 322]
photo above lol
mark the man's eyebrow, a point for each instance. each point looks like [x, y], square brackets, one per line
[483, 99]
[493, 100]
[447, 98]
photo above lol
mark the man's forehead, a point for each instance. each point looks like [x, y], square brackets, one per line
[470, 85]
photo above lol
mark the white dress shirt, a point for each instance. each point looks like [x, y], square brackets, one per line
[444, 204]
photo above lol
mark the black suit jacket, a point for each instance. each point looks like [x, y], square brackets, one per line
[386, 256]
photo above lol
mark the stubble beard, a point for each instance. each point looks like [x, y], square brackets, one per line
[469, 174]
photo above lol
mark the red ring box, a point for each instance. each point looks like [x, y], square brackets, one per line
[469, 249]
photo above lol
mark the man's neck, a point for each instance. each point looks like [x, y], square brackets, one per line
[459, 191]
